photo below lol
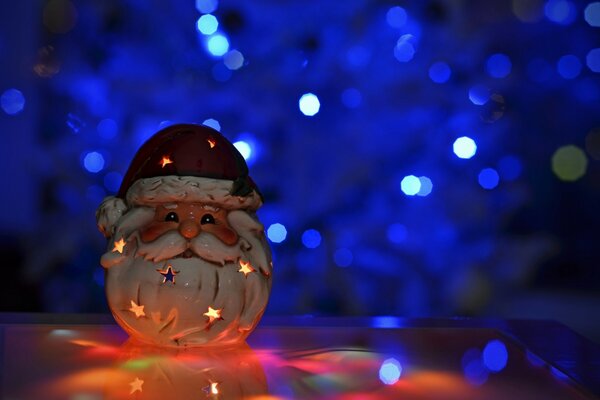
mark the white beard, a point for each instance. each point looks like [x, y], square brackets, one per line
[211, 278]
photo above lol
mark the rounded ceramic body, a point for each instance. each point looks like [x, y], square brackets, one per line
[173, 290]
[174, 311]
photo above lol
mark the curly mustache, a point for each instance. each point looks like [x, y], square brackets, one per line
[205, 245]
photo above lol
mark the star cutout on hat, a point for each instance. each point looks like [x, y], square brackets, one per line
[245, 268]
[213, 314]
[165, 160]
[119, 245]
[136, 385]
[211, 142]
[137, 310]
[168, 274]
[211, 389]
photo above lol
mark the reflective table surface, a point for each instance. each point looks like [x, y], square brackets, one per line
[84, 357]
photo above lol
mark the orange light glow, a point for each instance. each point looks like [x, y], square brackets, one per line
[211, 142]
[119, 246]
[136, 385]
[245, 268]
[86, 343]
[137, 310]
[213, 314]
[165, 160]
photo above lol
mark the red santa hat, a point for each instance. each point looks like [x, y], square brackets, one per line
[184, 162]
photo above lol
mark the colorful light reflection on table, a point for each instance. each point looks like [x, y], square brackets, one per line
[77, 361]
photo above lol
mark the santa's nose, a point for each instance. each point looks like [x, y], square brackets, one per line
[189, 229]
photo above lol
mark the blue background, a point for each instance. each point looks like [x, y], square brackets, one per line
[84, 83]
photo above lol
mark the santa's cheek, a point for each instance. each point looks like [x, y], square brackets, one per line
[224, 233]
[154, 231]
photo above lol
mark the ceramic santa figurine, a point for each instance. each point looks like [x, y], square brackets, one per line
[187, 262]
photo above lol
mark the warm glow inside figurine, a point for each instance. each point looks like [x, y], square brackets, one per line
[187, 262]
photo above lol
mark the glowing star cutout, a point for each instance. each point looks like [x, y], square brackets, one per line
[119, 245]
[213, 314]
[168, 274]
[136, 385]
[137, 310]
[211, 142]
[165, 160]
[211, 389]
[245, 268]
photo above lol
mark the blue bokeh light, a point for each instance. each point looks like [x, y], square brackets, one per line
[464, 147]
[213, 123]
[249, 146]
[217, 44]
[593, 60]
[498, 65]
[397, 233]
[93, 161]
[343, 257]
[479, 95]
[510, 168]
[390, 371]
[475, 372]
[560, 11]
[277, 233]
[495, 356]
[207, 24]
[592, 14]
[309, 104]
[488, 178]
[396, 17]
[351, 97]
[439, 72]
[410, 185]
[404, 51]
[311, 238]
[207, 6]
[426, 186]
[569, 66]
[244, 148]
[107, 128]
[112, 181]
[233, 60]
[386, 322]
[12, 101]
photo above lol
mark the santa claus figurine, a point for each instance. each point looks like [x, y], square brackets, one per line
[187, 262]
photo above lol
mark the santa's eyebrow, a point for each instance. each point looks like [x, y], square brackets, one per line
[210, 208]
[170, 206]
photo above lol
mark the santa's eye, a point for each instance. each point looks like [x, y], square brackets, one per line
[172, 217]
[207, 219]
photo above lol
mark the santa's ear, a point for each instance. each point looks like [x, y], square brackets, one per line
[108, 213]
